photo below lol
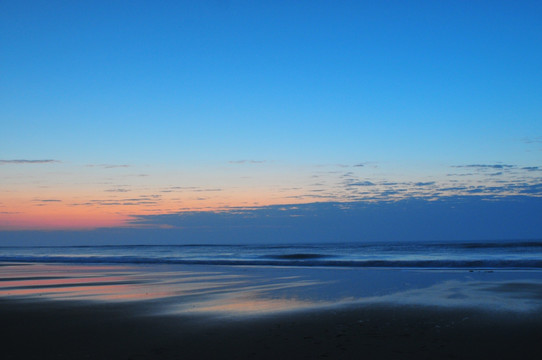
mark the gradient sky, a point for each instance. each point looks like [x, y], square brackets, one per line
[114, 111]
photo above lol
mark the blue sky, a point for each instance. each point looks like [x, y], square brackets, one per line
[265, 101]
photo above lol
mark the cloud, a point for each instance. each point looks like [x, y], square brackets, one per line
[47, 200]
[360, 183]
[453, 188]
[371, 164]
[486, 166]
[117, 190]
[533, 189]
[108, 166]
[246, 161]
[116, 166]
[532, 140]
[428, 183]
[481, 217]
[143, 200]
[391, 192]
[24, 161]
[465, 174]
[495, 179]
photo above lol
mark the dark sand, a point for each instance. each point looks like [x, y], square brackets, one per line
[34, 329]
[63, 311]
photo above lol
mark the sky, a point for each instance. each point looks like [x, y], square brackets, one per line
[130, 117]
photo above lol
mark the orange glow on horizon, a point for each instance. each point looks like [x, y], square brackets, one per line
[66, 211]
[60, 221]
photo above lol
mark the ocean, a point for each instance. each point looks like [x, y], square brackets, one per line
[436, 255]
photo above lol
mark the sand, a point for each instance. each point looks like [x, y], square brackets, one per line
[53, 330]
[116, 312]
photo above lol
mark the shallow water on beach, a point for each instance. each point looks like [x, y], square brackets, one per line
[255, 290]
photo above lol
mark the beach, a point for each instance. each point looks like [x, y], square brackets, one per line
[281, 180]
[190, 312]
[53, 331]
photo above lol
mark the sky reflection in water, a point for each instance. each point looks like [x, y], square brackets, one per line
[259, 290]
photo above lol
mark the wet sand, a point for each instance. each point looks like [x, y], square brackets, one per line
[52, 330]
[190, 312]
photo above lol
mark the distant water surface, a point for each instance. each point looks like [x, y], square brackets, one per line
[451, 255]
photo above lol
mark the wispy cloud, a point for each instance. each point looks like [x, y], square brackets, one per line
[427, 183]
[359, 183]
[117, 190]
[139, 201]
[25, 161]
[480, 179]
[370, 164]
[108, 166]
[532, 140]
[246, 161]
[485, 166]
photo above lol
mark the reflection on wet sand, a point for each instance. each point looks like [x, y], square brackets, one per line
[518, 296]
[243, 291]
[250, 303]
[184, 291]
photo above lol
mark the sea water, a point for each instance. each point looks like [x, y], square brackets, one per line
[484, 255]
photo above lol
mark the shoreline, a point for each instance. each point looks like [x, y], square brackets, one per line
[62, 311]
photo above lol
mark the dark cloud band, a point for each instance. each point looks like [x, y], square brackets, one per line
[25, 161]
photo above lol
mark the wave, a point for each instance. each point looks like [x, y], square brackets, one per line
[347, 245]
[434, 264]
[295, 256]
[496, 245]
